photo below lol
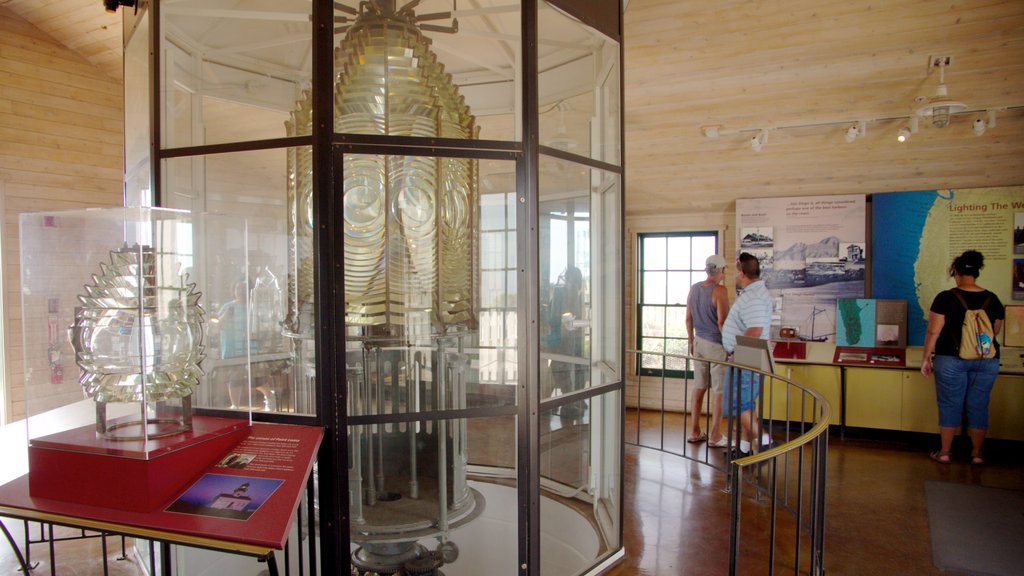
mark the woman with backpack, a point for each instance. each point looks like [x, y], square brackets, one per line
[960, 349]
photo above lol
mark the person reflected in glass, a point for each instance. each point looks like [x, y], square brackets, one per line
[961, 384]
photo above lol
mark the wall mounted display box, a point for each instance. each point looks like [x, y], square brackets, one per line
[114, 342]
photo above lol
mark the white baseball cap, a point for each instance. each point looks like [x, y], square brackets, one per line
[714, 263]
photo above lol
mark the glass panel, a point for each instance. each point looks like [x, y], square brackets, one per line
[579, 460]
[397, 507]
[652, 361]
[675, 322]
[255, 186]
[654, 253]
[579, 87]
[679, 253]
[233, 71]
[138, 186]
[606, 278]
[653, 321]
[581, 292]
[678, 287]
[391, 79]
[430, 283]
[675, 346]
[704, 246]
[654, 288]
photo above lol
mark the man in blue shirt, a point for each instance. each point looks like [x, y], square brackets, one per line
[750, 315]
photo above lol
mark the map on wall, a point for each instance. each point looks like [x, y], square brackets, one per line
[870, 323]
[916, 235]
[812, 251]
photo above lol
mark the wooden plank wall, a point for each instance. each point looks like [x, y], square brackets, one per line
[61, 134]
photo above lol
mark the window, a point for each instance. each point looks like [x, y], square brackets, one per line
[669, 263]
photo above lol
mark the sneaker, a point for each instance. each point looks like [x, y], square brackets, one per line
[735, 454]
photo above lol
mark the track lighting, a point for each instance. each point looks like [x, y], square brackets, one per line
[758, 141]
[903, 135]
[980, 124]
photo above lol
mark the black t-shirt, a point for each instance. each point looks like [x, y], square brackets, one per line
[947, 304]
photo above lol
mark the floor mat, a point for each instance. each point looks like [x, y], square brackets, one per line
[976, 530]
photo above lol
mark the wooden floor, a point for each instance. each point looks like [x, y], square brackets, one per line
[677, 521]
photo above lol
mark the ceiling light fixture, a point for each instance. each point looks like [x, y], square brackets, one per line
[758, 141]
[940, 106]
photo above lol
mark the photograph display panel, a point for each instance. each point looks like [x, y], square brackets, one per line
[812, 251]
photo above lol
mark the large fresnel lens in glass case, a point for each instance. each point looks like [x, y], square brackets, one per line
[410, 244]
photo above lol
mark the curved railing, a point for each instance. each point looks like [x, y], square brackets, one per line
[787, 475]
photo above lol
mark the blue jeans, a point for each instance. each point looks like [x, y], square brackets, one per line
[748, 390]
[960, 383]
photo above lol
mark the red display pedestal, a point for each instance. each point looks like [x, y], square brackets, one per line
[78, 466]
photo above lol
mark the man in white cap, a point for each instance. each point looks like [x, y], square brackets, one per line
[706, 309]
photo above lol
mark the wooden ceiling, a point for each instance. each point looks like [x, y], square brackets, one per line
[804, 69]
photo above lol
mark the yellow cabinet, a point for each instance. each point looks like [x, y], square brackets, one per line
[874, 398]
[1006, 408]
[824, 380]
[920, 411]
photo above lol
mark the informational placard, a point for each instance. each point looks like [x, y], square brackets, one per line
[916, 235]
[812, 251]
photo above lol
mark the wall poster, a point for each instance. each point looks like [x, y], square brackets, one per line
[916, 235]
[812, 251]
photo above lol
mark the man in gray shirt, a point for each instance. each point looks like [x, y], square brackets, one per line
[706, 308]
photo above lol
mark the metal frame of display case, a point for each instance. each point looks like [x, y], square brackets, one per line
[327, 149]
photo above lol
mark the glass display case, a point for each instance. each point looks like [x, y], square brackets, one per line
[115, 332]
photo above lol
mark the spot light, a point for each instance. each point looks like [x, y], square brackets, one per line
[903, 135]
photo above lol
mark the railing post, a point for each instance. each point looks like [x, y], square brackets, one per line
[734, 520]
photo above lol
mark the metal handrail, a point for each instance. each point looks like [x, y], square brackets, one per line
[764, 464]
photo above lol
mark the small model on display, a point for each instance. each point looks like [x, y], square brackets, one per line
[137, 337]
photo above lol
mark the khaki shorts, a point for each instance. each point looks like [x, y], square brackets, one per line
[703, 371]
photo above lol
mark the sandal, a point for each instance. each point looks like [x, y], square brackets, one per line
[699, 438]
[977, 460]
[940, 456]
[722, 442]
